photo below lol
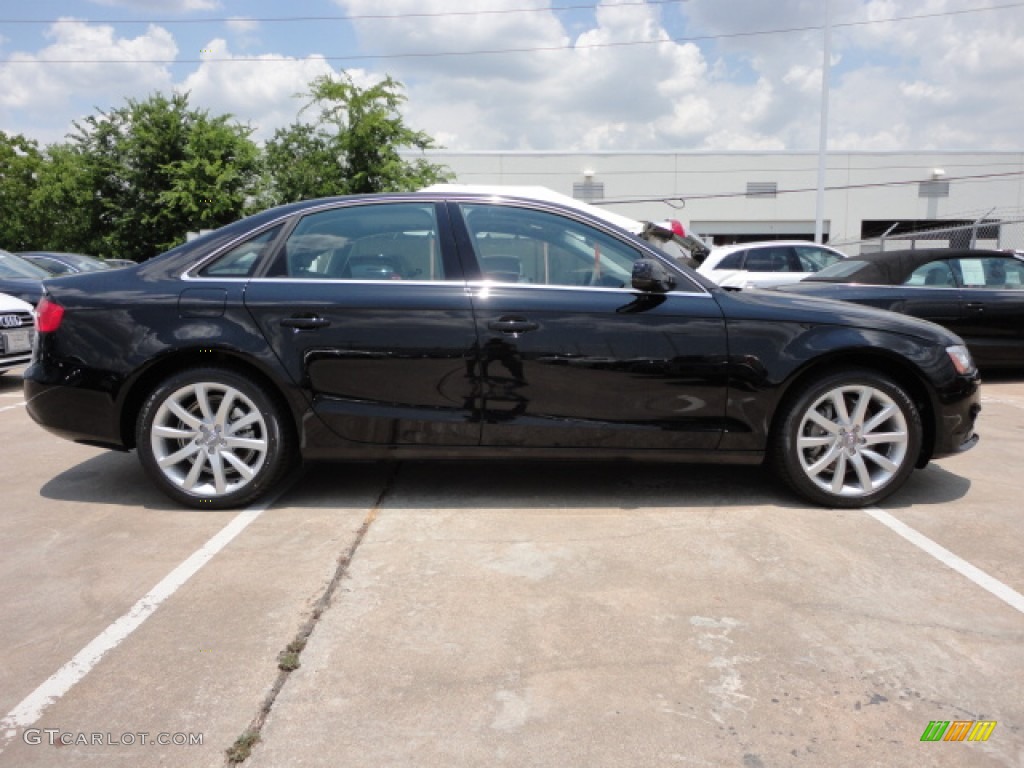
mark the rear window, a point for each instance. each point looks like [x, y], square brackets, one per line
[732, 261]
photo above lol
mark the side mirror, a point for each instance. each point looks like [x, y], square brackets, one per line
[652, 276]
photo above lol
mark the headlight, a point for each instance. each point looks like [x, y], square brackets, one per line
[961, 359]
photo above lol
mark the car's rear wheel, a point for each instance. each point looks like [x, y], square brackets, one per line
[213, 438]
[848, 439]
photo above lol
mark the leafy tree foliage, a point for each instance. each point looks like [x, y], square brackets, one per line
[133, 181]
[60, 203]
[20, 162]
[159, 169]
[354, 146]
[301, 162]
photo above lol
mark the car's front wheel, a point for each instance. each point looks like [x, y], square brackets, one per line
[848, 439]
[213, 438]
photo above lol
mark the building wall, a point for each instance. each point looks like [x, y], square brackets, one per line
[863, 186]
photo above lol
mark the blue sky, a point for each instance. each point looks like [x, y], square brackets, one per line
[543, 74]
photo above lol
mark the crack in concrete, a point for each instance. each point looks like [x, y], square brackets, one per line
[240, 752]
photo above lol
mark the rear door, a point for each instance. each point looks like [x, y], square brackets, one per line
[366, 307]
[992, 308]
[569, 354]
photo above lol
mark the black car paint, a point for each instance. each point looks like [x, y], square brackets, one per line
[416, 369]
[989, 320]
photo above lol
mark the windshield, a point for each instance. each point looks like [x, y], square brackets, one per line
[19, 269]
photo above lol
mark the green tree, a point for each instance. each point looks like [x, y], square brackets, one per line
[301, 162]
[59, 205]
[20, 164]
[355, 146]
[158, 169]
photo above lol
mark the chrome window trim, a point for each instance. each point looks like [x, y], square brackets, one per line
[603, 289]
[189, 275]
[325, 281]
[469, 284]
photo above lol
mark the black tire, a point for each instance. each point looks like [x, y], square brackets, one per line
[212, 438]
[848, 439]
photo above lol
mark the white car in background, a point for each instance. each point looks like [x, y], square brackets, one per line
[17, 331]
[767, 263]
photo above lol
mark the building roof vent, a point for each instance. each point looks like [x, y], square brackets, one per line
[762, 188]
[933, 188]
[588, 191]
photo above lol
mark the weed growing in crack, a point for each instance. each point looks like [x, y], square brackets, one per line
[241, 749]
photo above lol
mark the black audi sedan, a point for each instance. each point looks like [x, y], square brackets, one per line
[977, 294]
[447, 325]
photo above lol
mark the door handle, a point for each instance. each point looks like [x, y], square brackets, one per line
[305, 322]
[975, 307]
[512, 325]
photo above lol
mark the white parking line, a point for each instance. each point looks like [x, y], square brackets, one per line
[32, 706]
[1007, 594]
[13, 407]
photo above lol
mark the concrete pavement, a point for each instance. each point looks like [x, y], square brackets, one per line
[517, 614]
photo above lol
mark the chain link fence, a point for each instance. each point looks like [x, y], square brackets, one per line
[999, 234]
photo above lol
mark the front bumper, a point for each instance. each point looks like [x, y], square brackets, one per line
[956, 418]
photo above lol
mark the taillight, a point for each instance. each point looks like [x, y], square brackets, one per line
[48, 315]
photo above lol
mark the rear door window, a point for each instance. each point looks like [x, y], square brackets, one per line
[241, 260]
[379, 241]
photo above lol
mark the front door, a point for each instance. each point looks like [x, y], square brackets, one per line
[570, 355]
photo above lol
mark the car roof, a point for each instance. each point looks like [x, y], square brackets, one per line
[891, 267]
[765, 243]
[74, 257]
[542, 194]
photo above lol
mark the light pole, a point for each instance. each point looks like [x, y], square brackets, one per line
[826, 64]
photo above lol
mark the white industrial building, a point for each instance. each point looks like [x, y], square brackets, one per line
[740, 196]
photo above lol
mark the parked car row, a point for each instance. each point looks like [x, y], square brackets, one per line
[22, 274]
[448, 325]
[57, 263]
[977, 294]
[774, 262]
[20, 278]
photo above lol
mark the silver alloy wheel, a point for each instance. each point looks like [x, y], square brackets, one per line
[852, 441]
[209, 439]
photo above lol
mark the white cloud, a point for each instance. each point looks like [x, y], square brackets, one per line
[77, 62]
[244, 33]
[261, 93]
[241, 25]
[163, 5]
[598, 82]
[609, 87]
